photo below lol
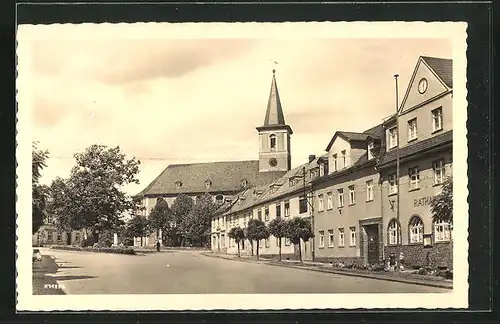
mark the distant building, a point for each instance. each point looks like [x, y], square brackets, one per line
[223, 180]
[48, 234]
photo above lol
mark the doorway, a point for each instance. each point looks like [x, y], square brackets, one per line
[373, 243]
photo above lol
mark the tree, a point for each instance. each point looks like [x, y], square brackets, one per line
[94, 197]
[160, 218]
[196, 227]
[442, 204]
[257, 231]
[39, 192]
[277, 227]
[137, 226]
[298, 229]
[237, 234]
[181, 207]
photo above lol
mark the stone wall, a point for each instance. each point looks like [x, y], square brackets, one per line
[345, 260]
[439, 255]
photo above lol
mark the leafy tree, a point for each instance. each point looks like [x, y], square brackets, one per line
[196, 227]
[137, 226]
[94, 197]
[237, 234]
[442, 204]
[39, 192]
[278, 227]
[298, 229]
[181, 208]
[257, 231]
[160, 218]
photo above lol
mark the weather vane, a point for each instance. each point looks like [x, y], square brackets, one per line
[275, 63]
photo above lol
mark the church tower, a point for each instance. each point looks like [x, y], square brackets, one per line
[274, 135]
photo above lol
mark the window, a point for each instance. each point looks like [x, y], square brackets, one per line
[437, 119]
[272, 142]
[321, 239]
[59, 237]
[393, 137]
[313, 173]
[77, 237]
[49, 236]
[393, 184]
[208, 183]
[352, 195]
[278, 210]
[330, 238]
[416, 230]
[49, 219]
[178, 184]
[287, 241]
[291, 182]
[267, 242]
[343, 158]
[259, 214]
[412, 129]
[334, 160]
[287, 209]
[302, 205]
[244, 183]
[414, 178]
[442, 231]
[266, 214]
[320, 203]
[438, 167]
[329, 200]
[354, 237]
[340, 197]
[341, 237]
[393, 232]
[371, 147]
[321, 170]
[277, 242]
[219, 199]
[369, 190]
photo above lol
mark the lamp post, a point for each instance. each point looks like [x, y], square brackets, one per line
[398, 226]
[311, 207]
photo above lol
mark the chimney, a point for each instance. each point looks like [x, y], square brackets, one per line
[312, 157]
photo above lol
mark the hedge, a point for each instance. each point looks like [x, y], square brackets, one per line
[118, 250]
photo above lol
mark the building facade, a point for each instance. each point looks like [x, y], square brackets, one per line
[351, 191]
[48, 234]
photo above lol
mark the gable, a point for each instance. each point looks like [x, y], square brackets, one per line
[435, 86]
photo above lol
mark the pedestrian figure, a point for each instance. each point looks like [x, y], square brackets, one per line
[158, 246]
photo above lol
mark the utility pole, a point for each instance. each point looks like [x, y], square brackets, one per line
[398, 226]
[311, 207]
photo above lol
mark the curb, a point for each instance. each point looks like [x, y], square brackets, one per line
[345, 273]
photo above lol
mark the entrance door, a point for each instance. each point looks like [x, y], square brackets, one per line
[373, 244]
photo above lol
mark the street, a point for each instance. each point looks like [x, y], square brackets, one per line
[190, 272]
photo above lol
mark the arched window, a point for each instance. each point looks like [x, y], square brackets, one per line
[244, 183]
[393, 232]
[208, 183]
[416, 230]
[219, 199]
[442, 231]
[272, 142]
[178, 184]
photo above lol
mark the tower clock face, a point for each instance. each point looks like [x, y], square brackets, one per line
[422, 85]
[273, 162]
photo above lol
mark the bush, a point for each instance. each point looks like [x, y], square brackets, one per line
[118, 250]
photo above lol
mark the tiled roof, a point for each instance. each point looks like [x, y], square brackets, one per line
[417, 147]
[442, 67]
[375, 132]
[223, 176]
[361, 162]
[248, 199]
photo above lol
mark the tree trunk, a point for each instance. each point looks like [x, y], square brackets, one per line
[251, 246]
[300, 253]
[238, 249]
[279, 248]
[258, 249]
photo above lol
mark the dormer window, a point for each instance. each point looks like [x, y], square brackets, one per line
[208, 183]
[178, 184]
[244, 183]
[291, 182]
[371, 148]
[393, 137]
[272, 142]
[334, 160]
[343, 154]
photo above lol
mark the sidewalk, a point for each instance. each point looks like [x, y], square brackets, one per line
[404, 277]
[43, 284]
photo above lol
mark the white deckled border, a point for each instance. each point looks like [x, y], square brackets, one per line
[458, 298]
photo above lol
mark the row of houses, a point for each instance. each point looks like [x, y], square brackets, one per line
[350, 192]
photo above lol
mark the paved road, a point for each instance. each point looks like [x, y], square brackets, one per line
[194, 273]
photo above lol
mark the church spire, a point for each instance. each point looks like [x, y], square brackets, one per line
[274, 112]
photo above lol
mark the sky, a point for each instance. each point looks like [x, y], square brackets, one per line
[169, 100]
